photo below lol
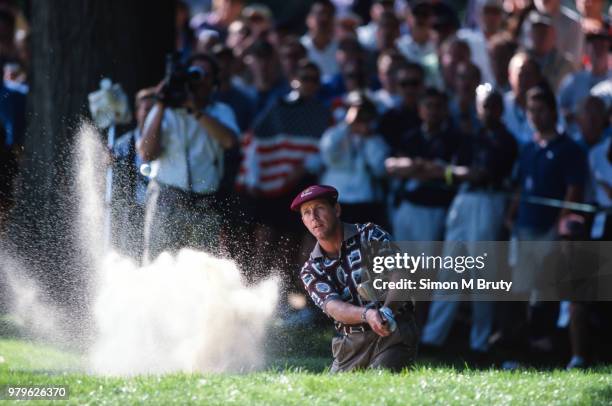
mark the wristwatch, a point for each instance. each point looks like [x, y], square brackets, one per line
[365, 310]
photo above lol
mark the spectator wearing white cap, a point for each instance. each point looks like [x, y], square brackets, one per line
[577, 86]
[569, 39]
[554, 64]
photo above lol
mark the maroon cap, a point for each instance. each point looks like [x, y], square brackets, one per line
[314, 192]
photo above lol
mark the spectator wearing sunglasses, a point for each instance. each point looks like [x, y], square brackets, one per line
[404, 118]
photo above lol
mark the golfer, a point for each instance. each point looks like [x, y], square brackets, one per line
[367, 337]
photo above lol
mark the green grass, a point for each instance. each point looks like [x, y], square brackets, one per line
[291, 381]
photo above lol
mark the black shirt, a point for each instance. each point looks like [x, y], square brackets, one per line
[494, 151]
[395, 124]
[444, 147]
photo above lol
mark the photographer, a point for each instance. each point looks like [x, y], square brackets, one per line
[184, 138]
[354, 158]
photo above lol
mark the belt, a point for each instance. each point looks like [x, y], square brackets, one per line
[347, 329]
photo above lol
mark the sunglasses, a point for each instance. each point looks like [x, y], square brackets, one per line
[409, 82]
[309, 78]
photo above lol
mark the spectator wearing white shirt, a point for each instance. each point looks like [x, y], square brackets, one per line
[319, 40]
[387, 96]
[490, 20]
[577, 86]
[354, 159]
[367, 33]
[185, 146]
[419, 46]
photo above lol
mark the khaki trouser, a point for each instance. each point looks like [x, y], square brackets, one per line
[369, 350]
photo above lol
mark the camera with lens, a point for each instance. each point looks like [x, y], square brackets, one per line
[178, 80]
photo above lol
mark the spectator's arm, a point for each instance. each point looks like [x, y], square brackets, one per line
[149, 148]
[332, 145]
[376, 152]
[220, 132]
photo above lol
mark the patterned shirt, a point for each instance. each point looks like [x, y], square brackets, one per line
[337, 278]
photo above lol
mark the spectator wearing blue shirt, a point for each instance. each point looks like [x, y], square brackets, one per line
[15, 76]
[8, 167]
[12, 116]
[129, 184]
[227, 92]
[523, 73]
[592, 119]
[268, 83]
[354, 78]
[463, 105]
[349, 52]
[12, 124]
[404, 118]
[593, 122]
[577, 86]
[551, 166]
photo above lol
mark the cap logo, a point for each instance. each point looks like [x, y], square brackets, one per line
[306, 192]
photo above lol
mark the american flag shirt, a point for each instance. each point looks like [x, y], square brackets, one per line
[337, 278]
[285, 138]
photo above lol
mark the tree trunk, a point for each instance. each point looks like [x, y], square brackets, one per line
[75, 43]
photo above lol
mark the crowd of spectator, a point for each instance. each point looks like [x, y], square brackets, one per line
[425, 117]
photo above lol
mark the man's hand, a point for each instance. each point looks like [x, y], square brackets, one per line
[403, 166]
[160, 91]
[376, 322]
[571, 226]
